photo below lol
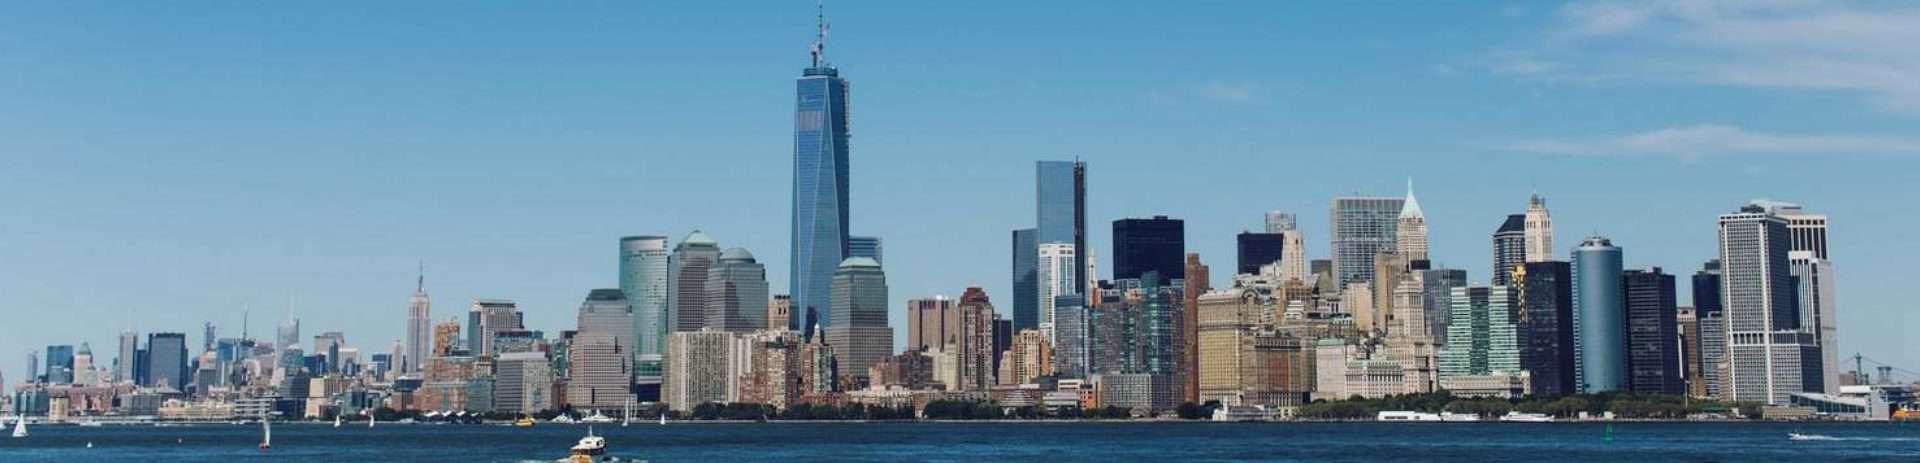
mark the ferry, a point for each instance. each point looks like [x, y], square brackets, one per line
[1519, 417]
[1452, 417]
[523, 422]
[589, 449]
[1406, 416]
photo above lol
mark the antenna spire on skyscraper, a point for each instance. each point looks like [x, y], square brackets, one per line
[420, 284]
[820, 40]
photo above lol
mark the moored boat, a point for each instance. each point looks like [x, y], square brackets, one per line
[1520, 417]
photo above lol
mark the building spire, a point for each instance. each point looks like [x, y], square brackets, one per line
[820, 40]
[420, 283]
[1411, 209]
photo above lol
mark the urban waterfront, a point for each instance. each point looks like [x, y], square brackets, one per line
[1106, 442]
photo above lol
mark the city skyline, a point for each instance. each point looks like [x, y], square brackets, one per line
[331, 230]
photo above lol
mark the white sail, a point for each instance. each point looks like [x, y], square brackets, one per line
[266, 432]
[663, 418]
[20, 427]
[372, 418]
[336, 421]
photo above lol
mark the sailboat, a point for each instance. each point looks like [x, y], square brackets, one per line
[336, 421]
[371, 418]
[626, 415]
[663, 418]
[266, 434]
[20, 427]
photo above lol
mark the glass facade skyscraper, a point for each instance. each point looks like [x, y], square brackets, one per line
[1653, 337]
[1256, 250]
[1150, 245]
[643, 279]
[167, 360]
[1060, 208]
[1600, 313]
[1361, 229]
[1509, 248]
[819, 228]
[1026, 279]
[1546, 325]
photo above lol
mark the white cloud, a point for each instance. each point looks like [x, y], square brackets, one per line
[1864, 48]
[1721, 140]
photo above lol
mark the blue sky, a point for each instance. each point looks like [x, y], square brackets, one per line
[165, 165]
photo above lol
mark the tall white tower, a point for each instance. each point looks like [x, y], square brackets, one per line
[419, 326]
[1539, 230]
[1410, 234]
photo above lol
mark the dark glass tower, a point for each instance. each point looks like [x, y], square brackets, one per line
[1653, 357]
[1149, 245]
[1026, 279]
[167, 360]
[1546, 325]
[1509, 248]
[1257, 249]
[819, 232]
[1060, 209]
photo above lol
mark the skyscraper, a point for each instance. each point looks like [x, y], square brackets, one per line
[1279, 222]
[124, 365]
[599, 364]
[167, 360]
[687, 271]
[975, 341]
[819, 229]
[1539, 230]
[1026, 278]
[1149, 245]
[1653, 339]
[931, 323]
[1410, 230]
[1195, 284]
[1057, 276]
[737, 293]
[1769, 356]
[1257, 250]
[1070, 333]
[859, 332]
[1509, 248]
[419, 325]
[1060, 208]
[1361, 227]
[59, 364]
[1807, 256]
[496, 315]
[1293, 254]
[1546, 326]
[1482, 338]
[1599, 316]
[866, 246]
[643, 277]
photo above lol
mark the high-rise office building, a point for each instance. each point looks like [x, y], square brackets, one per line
[1187, 364]
[523, 382]
[1280, 222]
[1546, 326]
[1057, 273]
[931, 323]
[167, 360]
[687, 271]
[1410, 230]
[1482, 338]
[859, 332]
[1653, 339]
[287, 335]
[419, 325]
[1438, 284]
[1807, 257]
[599, 360]
[1026, 278]
[1769, 355]
[866, 246]
[1070, 327]
[1361, 227]
[820, 168]
[1060, 208]
[1690, 366]
[1293, 256]
[975, 341]
[1509, 248]
[1713, 328]
[496, 316]
[698, 367]
[1539, 230]
[1600, 317]
[643, 278]
[124, 364]
[1149, 245]
[59, 364]
[736, 293]
[1257, 250]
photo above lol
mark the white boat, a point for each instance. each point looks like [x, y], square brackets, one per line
[1452, 417]
[562, 419]
[626, 413]
[336, 421]
[663, 418]
[371, 418]
[596, 417]
[1406, 416]
[20, 427]
[1519, 417]
[90, 423]
[589, 449]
